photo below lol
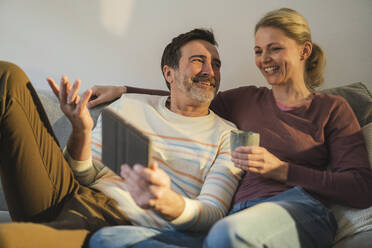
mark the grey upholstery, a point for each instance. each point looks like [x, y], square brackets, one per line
[359, 98]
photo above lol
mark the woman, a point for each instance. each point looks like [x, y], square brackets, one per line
[311, 149]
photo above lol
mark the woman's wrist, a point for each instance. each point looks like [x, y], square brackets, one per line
[283, 175]
[122, 89]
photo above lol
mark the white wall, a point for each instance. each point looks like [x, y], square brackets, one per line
[108, 41]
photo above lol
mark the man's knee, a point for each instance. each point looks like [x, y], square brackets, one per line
[7, 68]
[9, 234]
[252, 227]
[10, 76]
[222, 234]
[13, 83]
[21, 234]
[98, 239]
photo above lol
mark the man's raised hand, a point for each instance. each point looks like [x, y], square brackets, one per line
[71, 104]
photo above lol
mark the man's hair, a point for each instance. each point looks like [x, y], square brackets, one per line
[172, 52]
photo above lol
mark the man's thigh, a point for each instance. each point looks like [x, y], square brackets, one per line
[34, 173]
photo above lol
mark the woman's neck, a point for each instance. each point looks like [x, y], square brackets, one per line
[291, 94]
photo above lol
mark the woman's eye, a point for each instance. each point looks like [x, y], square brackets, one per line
[276, 48]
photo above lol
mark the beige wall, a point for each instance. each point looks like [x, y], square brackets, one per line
[107, 41]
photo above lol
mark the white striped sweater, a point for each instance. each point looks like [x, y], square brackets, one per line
[193, 151]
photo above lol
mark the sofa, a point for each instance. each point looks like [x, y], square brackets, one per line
[355, 226]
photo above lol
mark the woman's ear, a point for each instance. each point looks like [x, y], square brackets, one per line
[306, 50]
[168, 73]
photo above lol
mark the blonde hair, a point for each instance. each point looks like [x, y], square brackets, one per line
[295, 26]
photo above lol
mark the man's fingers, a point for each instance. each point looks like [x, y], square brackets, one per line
[156, 176]
[73, 92]
[84, 99]
[77, 100]
[54, 86]
[132, 178]
[124, 170]
[154, 166]
[63, 90]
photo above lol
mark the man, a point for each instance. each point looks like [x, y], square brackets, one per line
[188, 186]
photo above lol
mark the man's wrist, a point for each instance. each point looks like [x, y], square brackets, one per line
[81, 133]
[172, 207]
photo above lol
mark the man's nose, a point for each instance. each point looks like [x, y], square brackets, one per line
[208, 69]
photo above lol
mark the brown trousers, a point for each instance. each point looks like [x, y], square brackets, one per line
[48, 206]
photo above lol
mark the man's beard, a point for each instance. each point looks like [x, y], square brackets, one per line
[199, 92]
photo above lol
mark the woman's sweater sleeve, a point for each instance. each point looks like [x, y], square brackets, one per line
[146, 91]
[349, 180]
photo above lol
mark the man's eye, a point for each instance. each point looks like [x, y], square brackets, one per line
[257, 52]
[198, 60]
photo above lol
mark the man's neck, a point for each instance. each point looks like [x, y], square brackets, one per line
[188, 108]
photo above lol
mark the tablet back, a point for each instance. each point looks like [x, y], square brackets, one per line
[122, 143]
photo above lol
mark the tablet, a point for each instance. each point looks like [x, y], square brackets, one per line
[122, 143]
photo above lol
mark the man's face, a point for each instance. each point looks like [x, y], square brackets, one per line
[198, 74]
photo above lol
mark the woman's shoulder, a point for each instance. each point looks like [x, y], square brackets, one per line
[245, 91]
[329, 99]
[332, 105]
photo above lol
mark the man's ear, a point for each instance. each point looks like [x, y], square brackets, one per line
[168, 73]
[306, 50]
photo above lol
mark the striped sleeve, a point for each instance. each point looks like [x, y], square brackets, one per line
[86, 171]
[216, 194]
[97, 140]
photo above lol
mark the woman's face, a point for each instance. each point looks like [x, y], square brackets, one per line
[279, 58]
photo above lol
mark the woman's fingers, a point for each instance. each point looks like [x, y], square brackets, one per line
[248, 152]
[249, 158]
[247, 163]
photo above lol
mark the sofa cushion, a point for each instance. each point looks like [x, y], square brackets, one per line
[60, 123]
[359, 98]
[361, 240]
[351, 221]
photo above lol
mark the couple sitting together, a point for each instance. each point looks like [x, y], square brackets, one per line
[195, 192]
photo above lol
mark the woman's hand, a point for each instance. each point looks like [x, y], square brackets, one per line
[74, 107]
[105, 93]
[258, 160]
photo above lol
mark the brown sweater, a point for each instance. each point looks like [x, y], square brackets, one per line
[324, 134]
